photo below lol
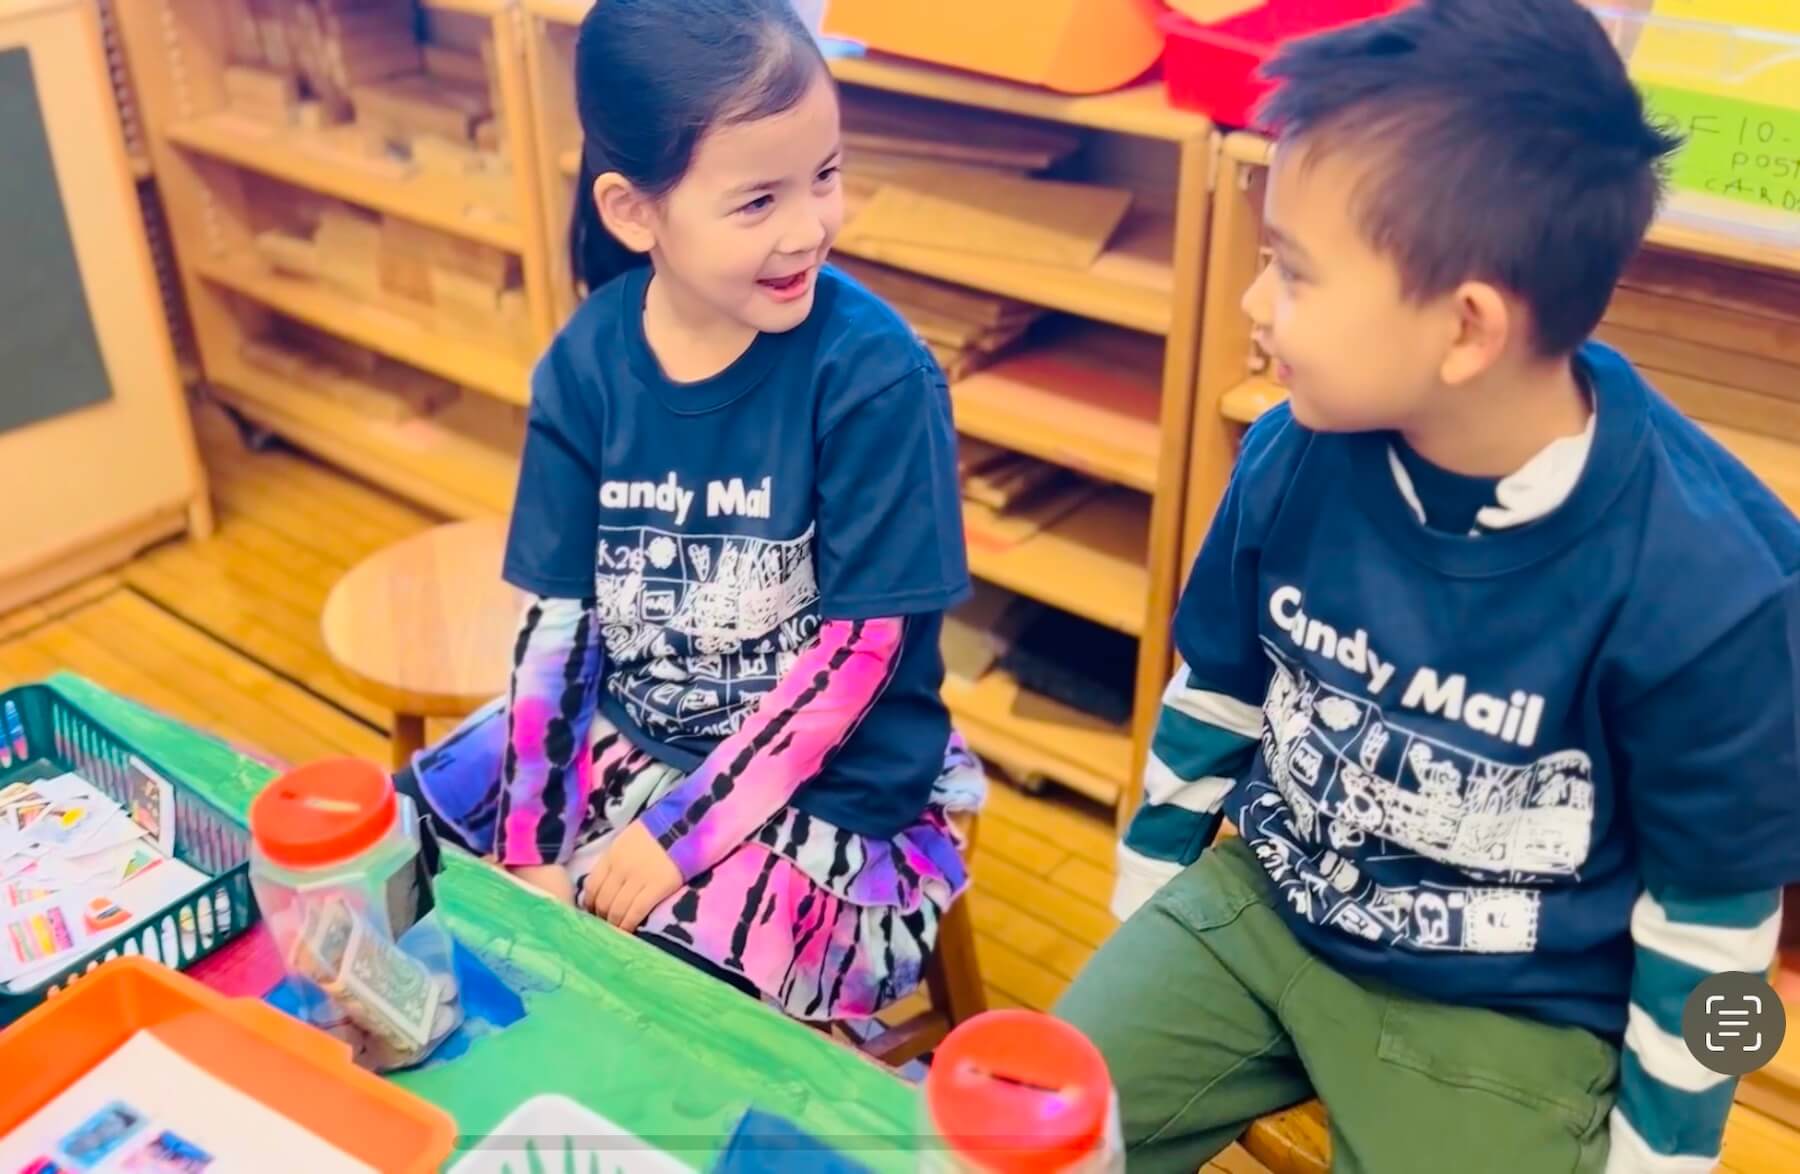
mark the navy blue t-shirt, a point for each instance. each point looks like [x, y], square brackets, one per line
[1478, 750]
[717, 524]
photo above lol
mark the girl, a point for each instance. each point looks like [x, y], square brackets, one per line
[739, 520]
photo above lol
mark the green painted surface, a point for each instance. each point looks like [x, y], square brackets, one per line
[610, 1022]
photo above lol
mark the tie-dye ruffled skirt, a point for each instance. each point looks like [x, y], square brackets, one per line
[827, 924]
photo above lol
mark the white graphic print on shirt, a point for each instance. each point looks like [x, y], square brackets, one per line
[699, 626]
[1347, 790]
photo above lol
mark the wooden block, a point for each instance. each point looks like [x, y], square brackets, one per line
[456, 65]
[278, 359]
[1044, 221]
[488, 135]
[464, 298]
[356, 64]
[242, 35]
[288, 253]
[320, 346]
[443, 157]
[265, 90]
[404, 275]
[346, 232]
[416, 109]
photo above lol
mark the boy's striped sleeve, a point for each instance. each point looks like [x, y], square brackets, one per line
[1671, 1110]
[1202, 744]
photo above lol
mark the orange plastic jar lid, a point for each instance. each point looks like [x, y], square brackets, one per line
[1018, 1092]
[323, 813]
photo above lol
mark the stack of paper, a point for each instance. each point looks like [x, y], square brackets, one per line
[77, 870]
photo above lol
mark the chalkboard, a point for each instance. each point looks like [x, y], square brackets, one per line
[49, 354]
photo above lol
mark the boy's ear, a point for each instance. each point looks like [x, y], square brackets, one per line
[626, 212]
[1484, 324]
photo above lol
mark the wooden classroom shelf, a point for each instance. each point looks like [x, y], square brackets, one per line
[1063, 403]
[1141, 110]
[1131, 285]
[1092, 563]
[1774, 460]
[1029, 734]
[420, 459]
[485, 366]
[1723, 246]
[1250, 399]
[476, 209]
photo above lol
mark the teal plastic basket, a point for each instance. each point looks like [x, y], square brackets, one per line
[54, 736]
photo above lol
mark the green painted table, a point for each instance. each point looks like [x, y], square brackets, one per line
[615, 1024]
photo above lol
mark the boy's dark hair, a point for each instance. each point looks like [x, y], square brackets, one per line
[652, 77]
[1505, 144]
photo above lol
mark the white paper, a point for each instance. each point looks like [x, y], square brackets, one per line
[549, 1123]
[238, 1132]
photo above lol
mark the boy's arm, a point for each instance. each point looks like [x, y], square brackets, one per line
[1708, 756]
[1202, 745]
[1671, 1110]
[1212, 710]
[799, 725]
[547, 774]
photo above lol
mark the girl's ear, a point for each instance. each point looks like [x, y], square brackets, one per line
[626, 212]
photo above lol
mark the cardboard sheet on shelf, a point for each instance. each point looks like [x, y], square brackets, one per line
[1047, 222]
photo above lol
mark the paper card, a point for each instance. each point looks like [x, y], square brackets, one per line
[168, 1153]
[152, 804]
[95, 1139]
[1736, 149]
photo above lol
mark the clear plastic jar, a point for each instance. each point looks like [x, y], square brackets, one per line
[335, 866]
[1018, 1092]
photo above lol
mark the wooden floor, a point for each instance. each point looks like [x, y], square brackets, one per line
[225, 634]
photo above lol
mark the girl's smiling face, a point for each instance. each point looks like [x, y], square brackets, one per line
[743, 234]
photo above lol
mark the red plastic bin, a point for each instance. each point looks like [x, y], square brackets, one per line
[1212, 68]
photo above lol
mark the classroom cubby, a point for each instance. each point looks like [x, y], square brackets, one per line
[366, 170]
[1101, 384]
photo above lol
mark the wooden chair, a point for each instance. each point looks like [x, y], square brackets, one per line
[952, 978]
[425, 627]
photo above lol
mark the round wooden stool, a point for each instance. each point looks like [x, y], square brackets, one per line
[426, 627]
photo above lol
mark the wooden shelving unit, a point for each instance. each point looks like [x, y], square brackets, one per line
[1108, 396]
[209, 158]
[1709, 318]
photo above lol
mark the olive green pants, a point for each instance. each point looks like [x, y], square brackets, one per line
[1211, 1014]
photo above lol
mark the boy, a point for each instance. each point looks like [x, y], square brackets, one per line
[1489, 655]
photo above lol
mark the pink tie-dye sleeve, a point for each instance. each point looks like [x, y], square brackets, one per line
[547, 774]
[796, 729]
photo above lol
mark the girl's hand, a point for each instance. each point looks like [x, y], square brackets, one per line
[634, 877]
[547, 878]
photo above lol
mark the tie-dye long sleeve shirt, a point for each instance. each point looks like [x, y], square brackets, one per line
[749, 776]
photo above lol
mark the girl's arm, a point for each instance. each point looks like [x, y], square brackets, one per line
[800, 724]
[547, 772]
[557, 656]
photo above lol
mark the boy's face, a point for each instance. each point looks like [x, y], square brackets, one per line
[1354, 353]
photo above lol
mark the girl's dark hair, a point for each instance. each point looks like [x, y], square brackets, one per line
[654, 76]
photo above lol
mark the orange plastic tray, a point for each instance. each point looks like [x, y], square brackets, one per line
[303, 1074]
